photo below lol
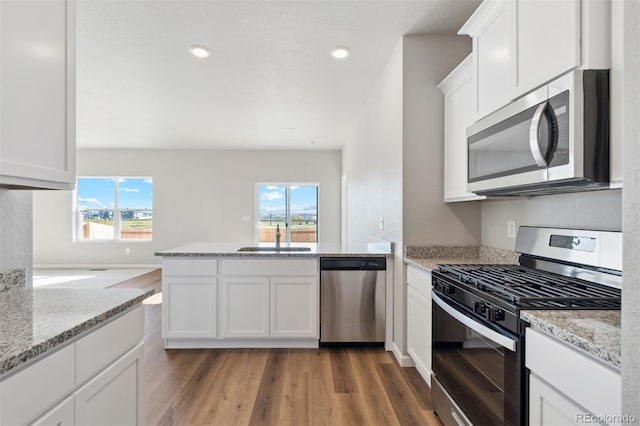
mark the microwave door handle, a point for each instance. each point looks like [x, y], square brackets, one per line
[534, 142]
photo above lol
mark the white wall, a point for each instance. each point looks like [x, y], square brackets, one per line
[588, 210]
[16, 231]
[198, 196]
[372, 160]
[372, 163]
[426, 218]
[631, 213]
[393, 160]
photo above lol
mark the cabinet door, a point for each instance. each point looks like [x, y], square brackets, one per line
[60, 415]
[244, 307]
[37, 106]
[549, 407]
[494, 48]
[548, 41]
[419, 332]
[294, 307]
[189, 307]
[114, 396]
[458, 115]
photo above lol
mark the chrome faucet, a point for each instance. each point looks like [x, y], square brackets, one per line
[278, 235]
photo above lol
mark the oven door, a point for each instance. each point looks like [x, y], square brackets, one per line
[476, 366]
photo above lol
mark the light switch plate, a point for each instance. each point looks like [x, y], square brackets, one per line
[511, 228]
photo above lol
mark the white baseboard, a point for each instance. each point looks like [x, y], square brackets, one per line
[187, 343]
[98, 266]
[403, 359]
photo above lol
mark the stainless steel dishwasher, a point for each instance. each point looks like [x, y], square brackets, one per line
[352, 300]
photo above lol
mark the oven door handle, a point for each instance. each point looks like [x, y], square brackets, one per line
[485, 331]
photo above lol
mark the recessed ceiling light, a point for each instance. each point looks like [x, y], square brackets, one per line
[312, 142]
[199, 51]
[288, 129]
[340, 52]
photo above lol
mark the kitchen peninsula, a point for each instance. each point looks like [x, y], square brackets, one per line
[71, 354]
[221, 295]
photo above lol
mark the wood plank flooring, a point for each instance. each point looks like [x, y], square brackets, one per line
[298, 387]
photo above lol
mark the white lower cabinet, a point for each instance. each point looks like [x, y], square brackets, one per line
[268, 307]
[568, 387]
[419, 320]
[114, 396]
[244, 307]
[96, 380]
[240, 302]
[31, 391]
[294, 307]
[549, 407]
[190, 307]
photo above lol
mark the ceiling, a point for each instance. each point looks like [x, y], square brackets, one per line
[269, 83]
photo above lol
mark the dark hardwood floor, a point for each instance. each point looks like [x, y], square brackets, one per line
[326, 386]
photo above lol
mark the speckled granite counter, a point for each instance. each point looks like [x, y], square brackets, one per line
[315, 250]
[428, 257]
[35, 321]
[595, 332]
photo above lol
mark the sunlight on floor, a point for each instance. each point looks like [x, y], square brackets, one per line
[84, 278]
[40, 280]
[155, 299]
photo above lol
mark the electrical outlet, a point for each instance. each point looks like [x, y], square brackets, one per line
[127, 250]
[381, 223]
[511, 229]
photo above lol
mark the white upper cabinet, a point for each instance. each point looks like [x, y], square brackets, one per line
[548, 34]
[457, 89]
[519, 45]
[37, 106]
[493, 28]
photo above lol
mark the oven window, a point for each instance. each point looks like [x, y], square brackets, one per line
[479, 374]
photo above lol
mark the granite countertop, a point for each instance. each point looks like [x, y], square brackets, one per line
[428, 258]
[34, 321]
[211, 249]
[595, 332]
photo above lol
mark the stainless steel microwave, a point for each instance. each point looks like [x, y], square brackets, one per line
[554, 140]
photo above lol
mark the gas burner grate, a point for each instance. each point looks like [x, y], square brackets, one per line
[531, 288]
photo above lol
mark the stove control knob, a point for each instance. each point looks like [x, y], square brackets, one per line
[498, 315]
[479, 308]
[449, 289]
[494, 314]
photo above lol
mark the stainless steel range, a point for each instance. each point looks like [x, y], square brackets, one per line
[478, 338]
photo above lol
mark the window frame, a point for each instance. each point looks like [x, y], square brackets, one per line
[77, 221]
[288, 186]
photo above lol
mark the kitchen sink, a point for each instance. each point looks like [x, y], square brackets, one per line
[274, 249]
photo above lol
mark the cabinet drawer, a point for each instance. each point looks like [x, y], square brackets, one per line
[28, 393]
[106, 344]
[420, 281]
[60, 415]
[586, 381]
[279, 267]
[190, 266]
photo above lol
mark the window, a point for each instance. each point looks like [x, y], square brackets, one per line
[292, 207]
[114, 208]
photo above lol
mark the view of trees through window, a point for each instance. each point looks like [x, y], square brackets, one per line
[293, 207]
[114, 208]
